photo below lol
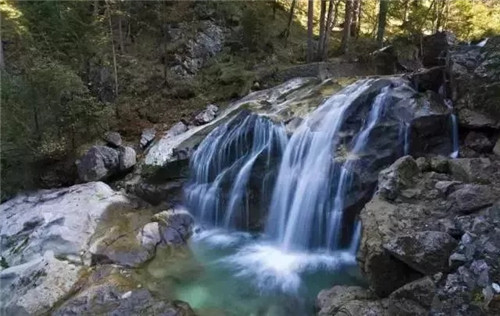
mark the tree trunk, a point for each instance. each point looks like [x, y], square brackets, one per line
[120, 34]
[286, 33]
[330, 29]
[322, 29]
[346, 34]
[356, 5]
[442, 4]
[326, 33]
[2, 61]
[310, 17]
[108, 9]
[275, 6]
[382, 18]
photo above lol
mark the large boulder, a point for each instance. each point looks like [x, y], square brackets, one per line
[45, 239]
[102, 162]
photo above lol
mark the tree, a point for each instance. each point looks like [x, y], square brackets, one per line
[382, 19]
[322, 29]
[286, 32]
[346, 33]
[310, 17]
[356, 15]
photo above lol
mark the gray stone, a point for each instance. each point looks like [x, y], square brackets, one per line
[176, 226]
[421, 291]
[34, 287]
[177, 129]
[61, 220]
[113, 139]
[478, 142]
[204, 117]
[149, 236]
[147, 137]
[426, 252]
[400, 175]
[98, 163]
[470, 198]
[127, 158]
[330, 301]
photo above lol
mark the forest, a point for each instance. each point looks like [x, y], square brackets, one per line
[72, 70]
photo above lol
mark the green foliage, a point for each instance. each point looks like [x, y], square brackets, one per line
[254, 31]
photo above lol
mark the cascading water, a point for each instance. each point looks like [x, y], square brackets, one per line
[247, 174]
[360, 143]
[224, 162]
[302, 194]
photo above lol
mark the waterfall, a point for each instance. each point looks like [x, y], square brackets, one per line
[360, 143]
[302, 195]
[224, 162]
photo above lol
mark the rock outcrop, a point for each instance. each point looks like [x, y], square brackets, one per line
[45, 242]
[430, 241]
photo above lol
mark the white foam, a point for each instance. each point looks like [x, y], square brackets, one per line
[220, 238]
[272, 268]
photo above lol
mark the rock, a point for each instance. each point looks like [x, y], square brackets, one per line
[478, 142]
[477, 104]
[397, 177]
[471, 169]
[496, 149]
[435, 48]
[176, 226]
[205, 116]
[112, 291]
[426, 252]
[177, 129]
[113, 139]
[421, 291]
[150, 236]
[98, 163]
[147, 137]
[446, 187]
[37, 285]
[470, 198]
[362, 307]
[439, 164]
[61, 220]
[127, 158]
[329, 302]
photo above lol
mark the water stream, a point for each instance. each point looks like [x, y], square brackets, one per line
[270, 207]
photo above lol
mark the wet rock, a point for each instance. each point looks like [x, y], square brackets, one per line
[176, 226]
[147, 137]
[397, 177]
[113, 139]
[470, 198]
[98, 163]
[293, 124]
[478, 142]
[127, 158]
[426, 252]
[329, 302]
[150, 236]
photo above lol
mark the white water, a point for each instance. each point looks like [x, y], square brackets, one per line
[376, 112]
[454, 125]
[228, 157]
[302, 190]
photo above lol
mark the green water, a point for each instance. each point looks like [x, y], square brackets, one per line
[237, 274]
